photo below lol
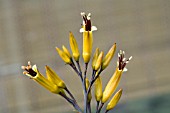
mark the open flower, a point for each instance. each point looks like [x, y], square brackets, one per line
[115, 79]
[87, 29]
[34, 74]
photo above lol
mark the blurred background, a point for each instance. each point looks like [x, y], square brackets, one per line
[31, 29]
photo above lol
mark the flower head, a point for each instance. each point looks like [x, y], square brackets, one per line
[115, 79]
[87, 29]
[34, 74]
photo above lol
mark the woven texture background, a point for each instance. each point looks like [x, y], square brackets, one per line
[31, 29]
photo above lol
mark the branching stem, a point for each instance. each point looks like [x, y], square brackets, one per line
[74, 104]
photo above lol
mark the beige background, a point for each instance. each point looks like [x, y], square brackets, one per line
[31, 29]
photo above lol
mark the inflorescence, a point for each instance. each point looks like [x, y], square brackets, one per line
[56, 85]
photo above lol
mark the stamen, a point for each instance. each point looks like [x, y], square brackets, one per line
[87, 21]
[82, 13]
[25, 72]
[28, 70]
[23, 67]
[122, 60]
[130, 58]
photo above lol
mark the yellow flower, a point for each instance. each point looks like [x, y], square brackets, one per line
[108, 57]
[74, 47]
[64, 55]
[66, 51]
[99, 61]
[111, 85]
[98, 89]
[115, 79]
[115, 99]
[96, 54]
[87, 36]
[34, 74]
[54, 78]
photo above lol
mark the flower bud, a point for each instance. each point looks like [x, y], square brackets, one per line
[74, 47]
[98, 89]
[99, 61]
[66, 51]
[53, 77]
[96, 54]
[64, 56]
[108, 57]
[111, 85]
[115, 99]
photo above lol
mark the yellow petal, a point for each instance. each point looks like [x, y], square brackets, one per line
[87, 45]
[111, 85]
[66, 51]
[74, 47]
[99, 61]
[115, 99]
[108, 57]
[96, 54]
[53, 77]
[98, 89]
[64, 56]
[46, 83]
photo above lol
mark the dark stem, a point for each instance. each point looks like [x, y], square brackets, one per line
[106, 111]
[91, 82]
[79, 67]
[84, 87]
[89, 107]
[93, 79]
[97, 106]
[100, 108]
[75, 69]
[74, 104]
[70, 94]
[97, 75]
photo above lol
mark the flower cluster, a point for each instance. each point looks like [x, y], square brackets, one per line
[100, 62]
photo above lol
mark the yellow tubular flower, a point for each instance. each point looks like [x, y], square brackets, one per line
[74, 47]
[87, 36]
[114, 81]
[34, 74]
[98, 89]
[108, 57]
[99, 61]
[66, 51]
[89, 97]
[64, 56]
[113, 102]
[111, 85]
[87, 45]
[96, 54]
[53, 77]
